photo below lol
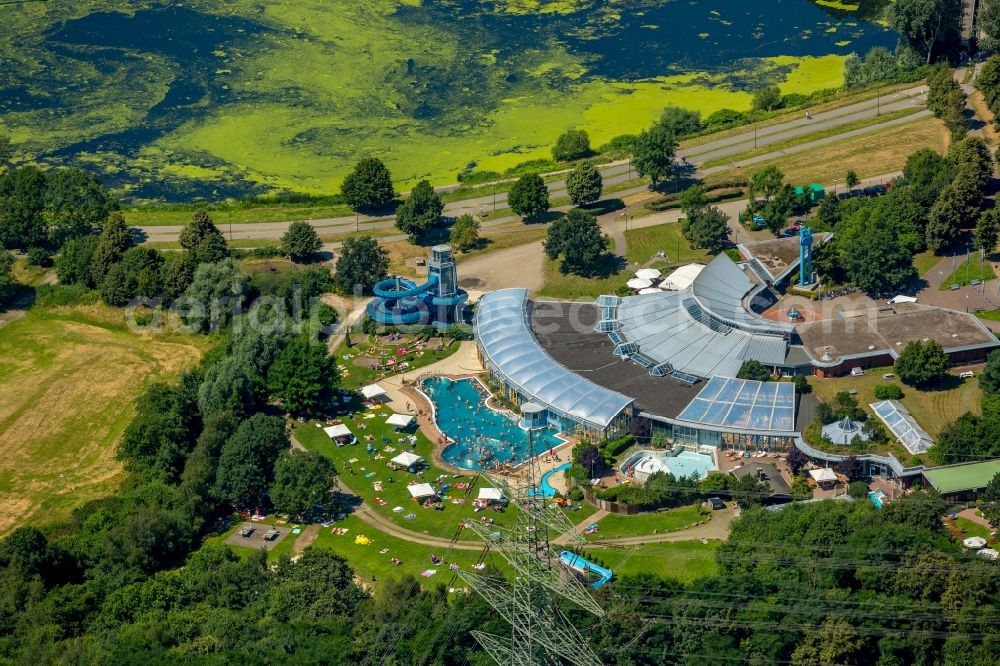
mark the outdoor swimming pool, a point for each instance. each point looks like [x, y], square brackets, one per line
[544, 487]
[685, 464]
[483, 438]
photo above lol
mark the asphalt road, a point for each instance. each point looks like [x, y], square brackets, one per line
[619, 172]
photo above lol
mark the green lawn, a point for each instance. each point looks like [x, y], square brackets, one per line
[969, 528]
[643, 244]
[991, 315]
[924, 262]
[684, 561]
[355, 375]
[394, 484]
[933, 409]
[616, 526]
[966, 271]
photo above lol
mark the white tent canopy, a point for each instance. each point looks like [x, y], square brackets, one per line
[683, 277]
[419, 490]
[399, 420]
[974, 542]
[647, 273]
[339, 430]
[372, 391]
[825, 475]
[988, 553]
[490, 494]
[648, 290]
[407, 459]
[639, 283]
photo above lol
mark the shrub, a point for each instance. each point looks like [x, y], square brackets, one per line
[888, 392]
[39, 256]
[857, 489]
[571, 145]
[53, 295]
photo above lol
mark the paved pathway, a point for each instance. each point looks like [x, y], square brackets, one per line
[716, 528]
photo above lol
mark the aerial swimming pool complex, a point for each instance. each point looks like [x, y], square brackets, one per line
[482, 438]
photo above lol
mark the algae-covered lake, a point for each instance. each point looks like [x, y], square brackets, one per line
[213, 99]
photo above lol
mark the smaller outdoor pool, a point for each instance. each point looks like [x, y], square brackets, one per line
[483, 438]
[878, 498]
[687, 464]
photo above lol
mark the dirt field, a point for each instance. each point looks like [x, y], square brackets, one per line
[68, 380]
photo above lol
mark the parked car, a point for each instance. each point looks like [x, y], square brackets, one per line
[968, 374]
[857, 371]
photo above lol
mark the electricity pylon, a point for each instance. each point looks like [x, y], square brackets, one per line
[540, 634]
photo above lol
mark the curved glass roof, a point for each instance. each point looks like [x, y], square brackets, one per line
[509, 345]
[744, 404]
[903, 426]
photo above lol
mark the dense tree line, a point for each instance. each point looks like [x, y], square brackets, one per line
[937, 199]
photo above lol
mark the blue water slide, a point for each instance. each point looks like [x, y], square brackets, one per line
[578, 563]
[398, 288]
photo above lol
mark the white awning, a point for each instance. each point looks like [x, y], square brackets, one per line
[648, 290]
[647, 273]
[407, 459]
[399, 420]
[372, 391]
[974, 542]
[639, 283]
[823, 475]
[339, 430]
[419, 490]
[490, 494]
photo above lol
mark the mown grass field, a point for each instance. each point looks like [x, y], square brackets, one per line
[616, 526]
[967, 271]
[69, 377]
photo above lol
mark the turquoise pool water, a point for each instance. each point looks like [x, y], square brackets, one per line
[545, 488]
[484, 439]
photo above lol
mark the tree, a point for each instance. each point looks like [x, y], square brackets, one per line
[988, 22]
[303, 377]
[211, 249]
[227, 387]
[920, 364]
[974, 168]
[158, 438]
[465, 232]
[302, 483]
[198, 229]
[767, 98]
[369, 186]
[851, 179]
[778, 208]
[584, 184]
[708, 229]
[300, 241]
[989, 379]
[571, 145]
[8, 285]
[946, 99]
[988, 230]
[653, 153]
[754, 370]
[766, 183]
[75, 202]
[680, 122]
[926, 24]
[246, 462]
[421, 210]
[947, 217]
[139, 273]
[115, 241]
[578, 239]
[927, 173]
[362, 263]
[873, 258]
[833, 644]
[529, 197]
[22, 204]
[75, 261]
[215, 295]
[178, 273]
